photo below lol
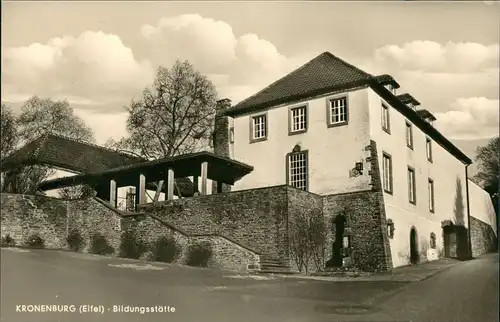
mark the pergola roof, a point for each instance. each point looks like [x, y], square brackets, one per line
[76, 156]
[219, 169]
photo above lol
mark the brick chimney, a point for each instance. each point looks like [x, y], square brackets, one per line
[221, 137]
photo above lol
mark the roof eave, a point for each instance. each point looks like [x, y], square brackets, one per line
[236, 111]
[413, 116]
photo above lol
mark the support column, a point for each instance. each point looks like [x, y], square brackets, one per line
[141, 193]
[116, 197]
[158, 191]
[112, 193]
[204, 172]
[195, 184]
[170, 184]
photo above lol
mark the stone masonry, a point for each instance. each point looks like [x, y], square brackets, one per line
[52, 219]
[252, 218]
[483, 237]
[221, 137]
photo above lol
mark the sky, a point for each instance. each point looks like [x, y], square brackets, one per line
[101, 55]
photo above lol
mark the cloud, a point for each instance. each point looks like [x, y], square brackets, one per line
[101, 123]
[93, 66]
[98, 74]
[203, 41]
[236, 64]
[434, 57]
[470, 118]
[437, 74]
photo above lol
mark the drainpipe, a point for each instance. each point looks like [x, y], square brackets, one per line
[468, 208]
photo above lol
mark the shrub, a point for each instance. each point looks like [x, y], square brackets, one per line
[100, 245]
[198, 255]
[75, 240]
[131, 246]
[166, 250]
[8, 241]
[35, 241]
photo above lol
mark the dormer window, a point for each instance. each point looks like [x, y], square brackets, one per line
[391, 88]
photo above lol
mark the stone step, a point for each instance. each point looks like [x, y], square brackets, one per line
[276, 271]
[273, 265]
[271, 261]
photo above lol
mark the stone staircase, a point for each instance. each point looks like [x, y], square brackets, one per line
[271, 265]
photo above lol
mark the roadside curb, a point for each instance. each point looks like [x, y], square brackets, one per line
[388, 277]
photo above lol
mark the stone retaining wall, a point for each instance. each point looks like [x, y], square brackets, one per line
[254, 218]
[53, 219]
[483, 237]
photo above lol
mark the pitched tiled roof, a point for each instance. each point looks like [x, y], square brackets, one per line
[323, 74]
[426, 115]
[407, 98]
[73, 155]
[328, 73]
[387, 79]
[70, 154]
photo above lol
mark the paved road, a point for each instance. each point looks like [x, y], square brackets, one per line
[466, 292]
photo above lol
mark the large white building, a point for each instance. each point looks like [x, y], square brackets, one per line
[332, 111]
[392, 188]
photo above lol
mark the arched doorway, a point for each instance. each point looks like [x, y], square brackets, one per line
[413, 246]
[339, 225]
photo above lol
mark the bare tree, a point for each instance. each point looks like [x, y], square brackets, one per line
[174, 116]
[308, 240]
[38, 117]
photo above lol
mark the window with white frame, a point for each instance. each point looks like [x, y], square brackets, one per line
[337, 111]
[298, 119]
[411, 186]
[387, 172]
[259, 127]
[409, 135]
[231, 135]
[431, 195]
[297, 170]
[386, 125]
[429, 149]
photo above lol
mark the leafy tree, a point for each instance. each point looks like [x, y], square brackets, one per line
[8, 135]
[8, 131]
[174, 116]
[77, 192]
[488, 158]
[26, 179]
[42, 116]
[38, 117]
